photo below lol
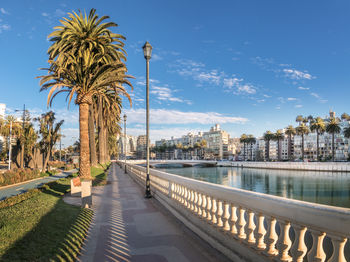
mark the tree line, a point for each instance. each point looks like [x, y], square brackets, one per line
[305, 126]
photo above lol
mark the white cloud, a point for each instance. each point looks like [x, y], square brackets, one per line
[70, 136]
[3, 11]
[298, 106]
[238, 87]
[156, 57]
[291, 99]
[165, 94]
[45, 14]
[318, 97]
[267, 96]
[4, 27]
[163, 116]
[303, 88]
[296, 74]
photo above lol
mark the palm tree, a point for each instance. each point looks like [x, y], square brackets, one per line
[251, 140]
[84, 65]
[302, 130]
[333, 127]
[268, 135]
[319, 127]
[345, 117]
[347, 132]
[50, 134]
[243, 139]
[299, 119]
[278, 136]
[290, 131]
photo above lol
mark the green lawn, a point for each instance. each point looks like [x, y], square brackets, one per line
[42, 227]
[99, 174]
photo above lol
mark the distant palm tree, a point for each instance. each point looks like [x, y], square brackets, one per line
[243, 139]
[347, 132]
[302, 130]
[333, 128]
[290, 131]
[251, 140]
[299, 119]
[319, 127]
[345, 117]
[278, 136]
[268, 135]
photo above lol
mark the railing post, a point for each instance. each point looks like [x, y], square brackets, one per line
[260, 233]
[284, 243]
[317, 253]
[338, 243]
[250, 228]
[233, 220]
[241, 223]
[271, 236]
[299, 248]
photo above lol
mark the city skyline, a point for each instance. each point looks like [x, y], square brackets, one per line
[249, 66]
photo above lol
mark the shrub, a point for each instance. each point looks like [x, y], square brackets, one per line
[18, 175]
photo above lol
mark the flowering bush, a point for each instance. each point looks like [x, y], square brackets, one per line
[18, 175]
[57, 164]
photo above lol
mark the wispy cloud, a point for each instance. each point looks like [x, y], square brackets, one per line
[303, 88]
[298, 106]
[198, 72]
[296, 74]
[163, 116]
[3, 11]
[4, 27]
[318, 97]
[291, 99]
[162, 92]
[44, 14]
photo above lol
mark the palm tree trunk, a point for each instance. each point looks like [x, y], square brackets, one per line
[318, 146]
[333, 147]
[278, 150]
[46, 160]
[105, 144]
[84, 171]
[289, 146]
[268, 150]
[93, 158]
[100, 133]
[302, 147]
[243, 151]
[22, 156]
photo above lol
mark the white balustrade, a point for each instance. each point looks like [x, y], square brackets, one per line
[251, 219]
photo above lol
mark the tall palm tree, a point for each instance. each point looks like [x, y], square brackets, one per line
[333, 128]
[50, 134]
[319, 127]
[243, 139]
[290, 131]
[268, 135]
[84, 61]
[278, 136]
[302, 130]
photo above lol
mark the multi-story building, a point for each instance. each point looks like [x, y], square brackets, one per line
[141, 147]
[130, 142]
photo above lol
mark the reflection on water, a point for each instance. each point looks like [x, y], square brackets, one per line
[318, 187]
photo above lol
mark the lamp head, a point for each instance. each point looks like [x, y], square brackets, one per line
[147, 50]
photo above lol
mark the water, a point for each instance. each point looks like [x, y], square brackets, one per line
[318, 187]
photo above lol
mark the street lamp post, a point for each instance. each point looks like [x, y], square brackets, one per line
[147, 51]
[24, 115]
[125, 141]
[10, 146]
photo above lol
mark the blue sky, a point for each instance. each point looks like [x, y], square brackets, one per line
[251, 66]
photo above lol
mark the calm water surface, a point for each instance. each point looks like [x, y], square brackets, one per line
[318, 187]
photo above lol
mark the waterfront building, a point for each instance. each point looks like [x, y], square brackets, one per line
[131, 144]
[141, 147]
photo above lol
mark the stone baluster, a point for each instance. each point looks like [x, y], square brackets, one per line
[271, 236]
[233, 220]
[260, 233]
[199, 204]
[192, 200]
[189, 199]
[284, 243]
[182, 195]
[250, 226]
[299, 248]
[241, 223]
[226, 216]
[317, 253]
[204, 206]
[195, 202]
[219, 213]
[185, 196]
[177, 192]
[214, 208]
[209, 204]
[338, 248]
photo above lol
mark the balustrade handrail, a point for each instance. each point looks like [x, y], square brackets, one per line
[242, 213]
[315, 215]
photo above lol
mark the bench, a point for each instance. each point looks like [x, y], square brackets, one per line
[75, 185]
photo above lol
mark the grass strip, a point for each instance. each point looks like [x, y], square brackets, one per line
[99, 174]
[39, 226]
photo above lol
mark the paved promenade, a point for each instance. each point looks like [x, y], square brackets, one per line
[128, 227]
